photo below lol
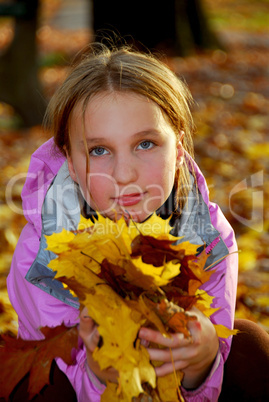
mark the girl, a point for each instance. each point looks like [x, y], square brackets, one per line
[122, 144]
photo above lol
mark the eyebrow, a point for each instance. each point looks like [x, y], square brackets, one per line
[140, 134]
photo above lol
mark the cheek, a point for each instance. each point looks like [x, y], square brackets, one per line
[160, 186]
[163, 174]
[101, 182]
[101, 188]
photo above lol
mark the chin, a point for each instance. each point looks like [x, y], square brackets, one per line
[128, 216]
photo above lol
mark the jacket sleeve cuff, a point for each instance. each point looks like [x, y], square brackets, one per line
[94, 380]
[210, 389]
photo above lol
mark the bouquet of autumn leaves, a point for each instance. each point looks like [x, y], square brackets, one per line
[130, 275]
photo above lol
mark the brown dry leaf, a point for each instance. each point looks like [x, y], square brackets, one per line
[18, 357]
[157, 251]
[179, 297]
[192, 274]
[114, 277]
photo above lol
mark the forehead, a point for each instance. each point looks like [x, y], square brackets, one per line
[118, 106]
[106, 97]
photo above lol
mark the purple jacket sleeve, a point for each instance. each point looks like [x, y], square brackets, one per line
[36, 308]
[222, 285]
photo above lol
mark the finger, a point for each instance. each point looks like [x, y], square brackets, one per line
[169, 368]
[174, 340]
[145, 343]
[202, 327]
[86, 324]
[91, 339]
[195, 328]
[94, 339]
[88, 331]
[109, 374]
[172, 355]
[84, 313]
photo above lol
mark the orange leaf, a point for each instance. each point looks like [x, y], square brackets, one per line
[174, 317]
[178, 323]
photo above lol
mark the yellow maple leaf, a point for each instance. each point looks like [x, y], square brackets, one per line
[168, 387]
[116, 327]
[148, 276]
[170, 270]
[189, 248]
[112, 241]
[224, 332]
[119, 326]
[127, 231]
[97, 262]
[149, 313]
[132, 377]
[85, 224]
[60, 242]
[140, 375]
[110, 393]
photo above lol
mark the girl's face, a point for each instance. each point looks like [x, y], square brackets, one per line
[133, 153]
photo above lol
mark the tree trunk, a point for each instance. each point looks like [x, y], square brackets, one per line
[145, 23]
[19, 83]
[192, 29]
[177, 25]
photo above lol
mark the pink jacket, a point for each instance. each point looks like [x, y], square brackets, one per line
[38, 308]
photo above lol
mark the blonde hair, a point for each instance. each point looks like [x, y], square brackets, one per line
[123, 69]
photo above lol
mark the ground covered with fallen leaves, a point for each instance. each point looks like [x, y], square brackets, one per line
[231, 90]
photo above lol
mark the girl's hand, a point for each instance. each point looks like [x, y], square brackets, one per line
[193, 356]
[88, 332]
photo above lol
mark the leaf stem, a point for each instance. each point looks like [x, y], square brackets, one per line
[220, 259]
[175, 376]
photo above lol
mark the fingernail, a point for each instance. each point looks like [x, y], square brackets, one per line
[145, 343]
[180, 335]
[142, 333]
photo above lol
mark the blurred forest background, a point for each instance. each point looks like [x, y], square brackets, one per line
[228, 74]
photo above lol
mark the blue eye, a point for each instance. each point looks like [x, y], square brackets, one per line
[98, 151]
[145, 145]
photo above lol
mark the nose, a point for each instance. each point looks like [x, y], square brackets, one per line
[125, 169]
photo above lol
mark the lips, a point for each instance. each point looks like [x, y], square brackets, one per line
[129, 199]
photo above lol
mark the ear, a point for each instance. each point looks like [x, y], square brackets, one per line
[180, 150]
[71, 169]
